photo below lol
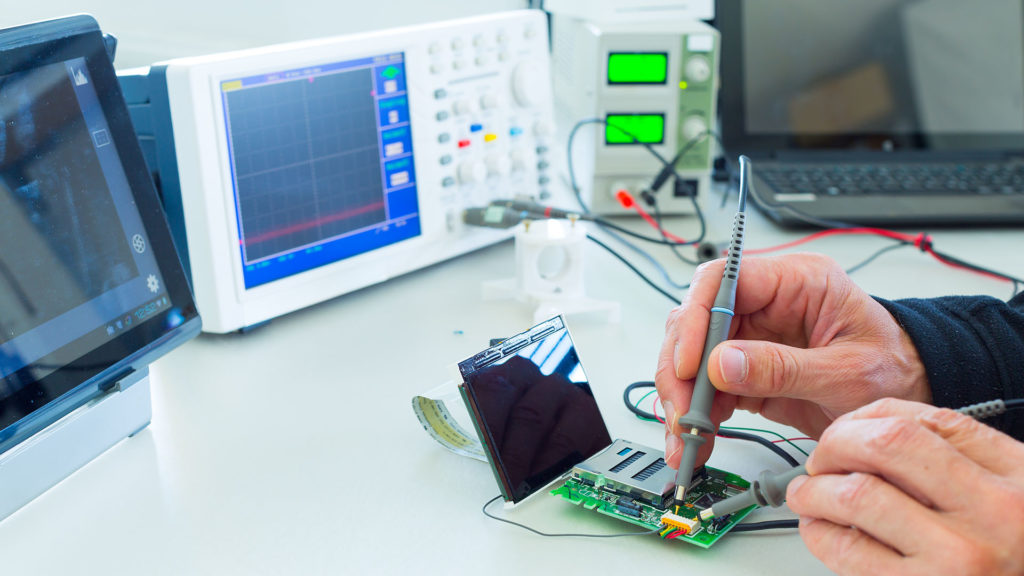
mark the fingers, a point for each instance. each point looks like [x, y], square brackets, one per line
[849, 551]
[769, 370]
[869, 503]
[983, 444]
[687, 325]
[905, 453]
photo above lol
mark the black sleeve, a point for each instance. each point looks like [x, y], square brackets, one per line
[972, 348]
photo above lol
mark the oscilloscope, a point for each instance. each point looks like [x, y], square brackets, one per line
[295, 173]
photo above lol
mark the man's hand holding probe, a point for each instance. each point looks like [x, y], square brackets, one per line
[895, 487]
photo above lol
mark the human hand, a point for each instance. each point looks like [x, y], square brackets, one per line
[903, 488]
[806, 345]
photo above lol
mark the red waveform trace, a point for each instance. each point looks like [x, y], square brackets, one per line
[344, 214]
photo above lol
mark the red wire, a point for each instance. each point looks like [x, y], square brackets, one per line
[650, 220]
[921, 241]
[627, 201]
[654, 409]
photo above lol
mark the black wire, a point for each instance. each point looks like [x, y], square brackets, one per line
[874, 256]
[737, 435]
[562, 535]
[631, 406]
[734, 434]
[1014, 404]
[768, 525]
[609, 224]
[635, 270]
[573, 184]
[823, 223]
[675, 247]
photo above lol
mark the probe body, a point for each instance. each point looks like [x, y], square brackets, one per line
[697, 419]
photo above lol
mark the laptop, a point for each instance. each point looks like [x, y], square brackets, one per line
[877, 112]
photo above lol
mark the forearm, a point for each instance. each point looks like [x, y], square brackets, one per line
[972, 348]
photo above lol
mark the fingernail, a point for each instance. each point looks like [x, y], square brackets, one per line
[675, 357]
[673, 444]
[670, 415]
[806, 521]
[733, 364]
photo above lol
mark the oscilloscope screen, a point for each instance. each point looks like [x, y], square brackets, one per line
[322, 164]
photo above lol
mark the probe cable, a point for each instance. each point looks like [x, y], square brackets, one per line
[723, 431]
[921, 241]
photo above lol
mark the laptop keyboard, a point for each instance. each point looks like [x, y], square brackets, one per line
[896, 179]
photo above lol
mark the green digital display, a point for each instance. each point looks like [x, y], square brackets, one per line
[634, 129]
[637, 67]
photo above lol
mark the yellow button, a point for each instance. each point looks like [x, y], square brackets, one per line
[490, 137]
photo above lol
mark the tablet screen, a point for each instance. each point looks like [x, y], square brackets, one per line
[84, 265]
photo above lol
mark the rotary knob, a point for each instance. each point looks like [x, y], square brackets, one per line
[498, 164]
[693, 127]
[488, 102]
[698, 69]
[519, 159]
[527, 86]
[472, 171]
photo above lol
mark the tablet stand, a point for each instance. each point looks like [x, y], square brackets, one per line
[57, 451]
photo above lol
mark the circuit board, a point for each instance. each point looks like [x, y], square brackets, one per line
[715, 485]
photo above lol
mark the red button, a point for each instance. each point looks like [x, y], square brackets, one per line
[463, 143]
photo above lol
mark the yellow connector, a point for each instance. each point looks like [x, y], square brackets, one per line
[676, 521]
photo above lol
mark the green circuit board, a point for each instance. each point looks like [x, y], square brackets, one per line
[714, 486]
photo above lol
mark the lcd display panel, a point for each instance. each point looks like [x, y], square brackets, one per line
[637, 67]
[634, 129]
[533, 408]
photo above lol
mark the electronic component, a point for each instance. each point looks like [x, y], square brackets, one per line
[691, 525]
[631, 469]
[605, 500]
[652, 82]
[91, 289]
[292, 174]
[522, 388]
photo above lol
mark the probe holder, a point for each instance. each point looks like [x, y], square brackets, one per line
[549, 272]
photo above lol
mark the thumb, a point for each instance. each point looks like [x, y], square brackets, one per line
[768, 370]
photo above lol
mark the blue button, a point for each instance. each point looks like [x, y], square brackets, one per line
[515, 131]
[476, 127]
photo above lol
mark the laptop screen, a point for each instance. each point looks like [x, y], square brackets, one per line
[876, 74]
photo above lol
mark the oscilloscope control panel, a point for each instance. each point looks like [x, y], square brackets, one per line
[292, 174]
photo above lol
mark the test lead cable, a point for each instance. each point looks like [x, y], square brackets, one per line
[770, 489]
[697, 419]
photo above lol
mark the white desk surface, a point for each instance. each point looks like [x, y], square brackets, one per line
[294, 450]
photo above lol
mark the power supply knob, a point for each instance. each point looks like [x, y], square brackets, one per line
[527, 85]
[693, 127]
[472, 171]
[519, 159]
[461, 107]
[698, 69]
[498, 165]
